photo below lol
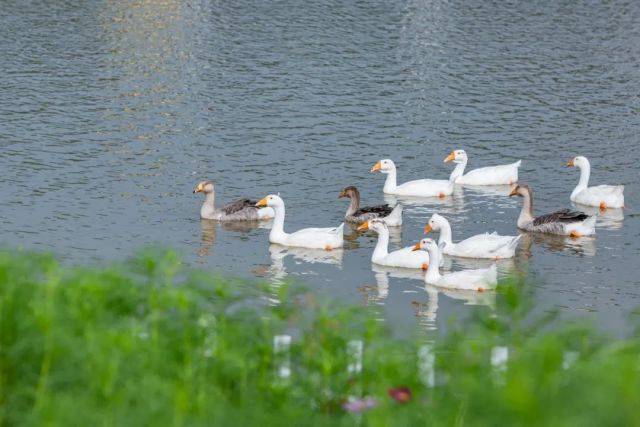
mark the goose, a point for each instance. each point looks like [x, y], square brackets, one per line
[419, 187]
[404, 257]
[240, 210]
[603, 196]
[471, 280]
[490, 175]
[479, 246]
[312, 238]
[563, 222]
[392, 216]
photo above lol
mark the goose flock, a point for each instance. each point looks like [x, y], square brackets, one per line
[428, 254]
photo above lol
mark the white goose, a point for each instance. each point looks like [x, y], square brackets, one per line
[405, 257]
[313, 238]
[417, 188]
[603, 196]
[479, 246]
[490, 175]
[471, 280]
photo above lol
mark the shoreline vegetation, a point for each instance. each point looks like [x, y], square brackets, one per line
[150, 342]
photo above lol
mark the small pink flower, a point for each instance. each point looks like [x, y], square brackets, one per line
[400, 394]
[359, 405]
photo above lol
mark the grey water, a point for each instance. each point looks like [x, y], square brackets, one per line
[112, 111]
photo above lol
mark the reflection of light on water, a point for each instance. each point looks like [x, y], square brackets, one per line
[151, 71]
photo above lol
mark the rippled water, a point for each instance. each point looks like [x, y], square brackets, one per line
[111, 112]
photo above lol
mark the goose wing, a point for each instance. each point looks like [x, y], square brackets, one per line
[380, 210]
[238, 205]
[561, 216]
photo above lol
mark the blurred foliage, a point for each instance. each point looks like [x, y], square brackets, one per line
[150, 342]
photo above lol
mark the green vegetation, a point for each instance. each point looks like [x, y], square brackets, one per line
[151, 343]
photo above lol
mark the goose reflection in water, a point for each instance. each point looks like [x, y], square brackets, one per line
[382, 274]
[489, 190]
[428, 312]
[610, 218]
[456, 199]
[278, 253]
[208, 228]
[583, 246]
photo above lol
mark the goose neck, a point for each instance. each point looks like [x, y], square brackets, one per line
[458, 171]
[526, 214]
[277, 230]
[433, 271]
[390, 183]
[382, 246]
[585, 172]
[209, 199]
[445, 233]
[354, 204]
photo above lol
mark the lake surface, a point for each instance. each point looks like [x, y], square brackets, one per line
[112, 111]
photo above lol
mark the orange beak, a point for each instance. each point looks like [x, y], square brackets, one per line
[416, 247]
[376, 167]
[427, 229]
[451, 157]
[363, 227]
[262, 203]
[198, 189]
[570, 163]
[514, 192]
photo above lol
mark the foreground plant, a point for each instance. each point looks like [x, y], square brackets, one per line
[152, 343]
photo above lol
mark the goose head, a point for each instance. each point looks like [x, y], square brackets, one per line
[456, 156]
[520, 190]
[350, 192]
[435, 223]
[272, 200]
[578, 161]
[426, 244]
[376, 225]
[384, 166]
[204, 187]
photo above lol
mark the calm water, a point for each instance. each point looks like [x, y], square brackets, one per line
[112, 111]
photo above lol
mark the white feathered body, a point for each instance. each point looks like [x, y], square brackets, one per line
[472, 280]
[404, 258]
[313, 238]
[610, 195]
[491, 175]
[422, 188]
[487, 245]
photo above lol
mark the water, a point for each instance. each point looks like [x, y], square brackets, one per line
[112, 111]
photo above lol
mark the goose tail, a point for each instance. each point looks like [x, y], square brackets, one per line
[394, 219]
[513, 244]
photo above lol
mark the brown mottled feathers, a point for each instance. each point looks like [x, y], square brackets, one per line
[380, 210]
[238, 205]
[561, 216]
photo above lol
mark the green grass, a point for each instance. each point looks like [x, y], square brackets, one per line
[152, 343]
